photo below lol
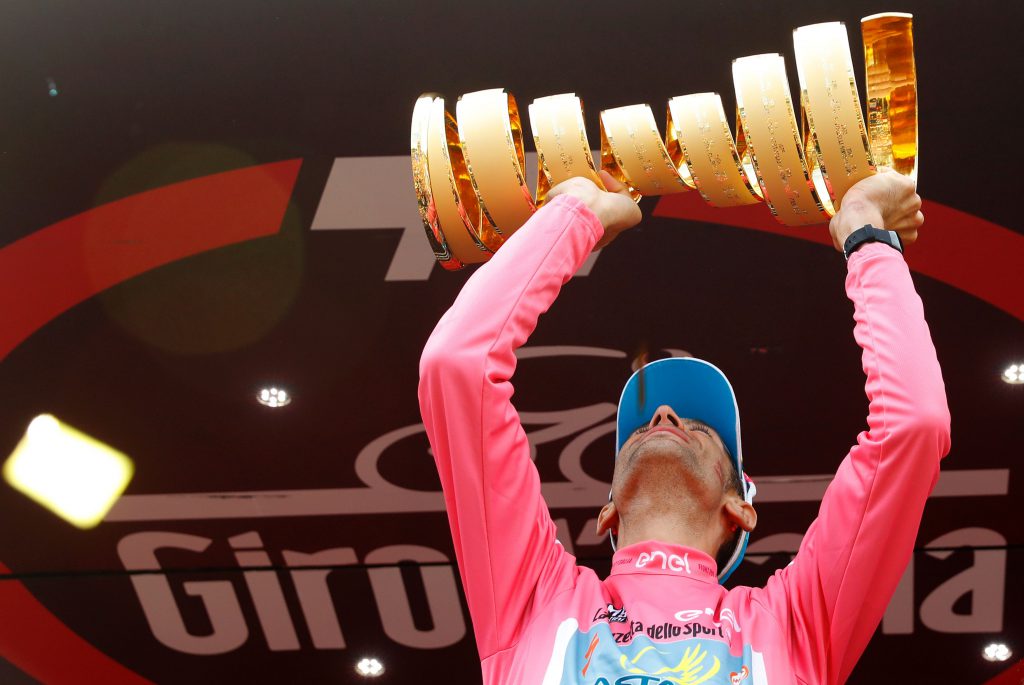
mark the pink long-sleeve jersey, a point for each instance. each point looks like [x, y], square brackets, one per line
[661, 617]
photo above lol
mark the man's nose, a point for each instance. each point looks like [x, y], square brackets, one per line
[665, 415]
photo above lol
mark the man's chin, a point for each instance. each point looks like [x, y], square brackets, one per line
[660, 448]
[664, 461]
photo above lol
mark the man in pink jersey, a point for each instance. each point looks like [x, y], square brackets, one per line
[681, 506]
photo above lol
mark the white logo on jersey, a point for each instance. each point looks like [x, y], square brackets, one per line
[671, 562]
[727, 618]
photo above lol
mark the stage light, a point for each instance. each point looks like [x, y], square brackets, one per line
[273, 397]
[369, 668]
[1014, 374]
[73, 475]
[996, 651]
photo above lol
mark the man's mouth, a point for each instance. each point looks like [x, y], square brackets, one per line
[667, 429]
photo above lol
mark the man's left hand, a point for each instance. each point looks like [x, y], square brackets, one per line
[886, 200]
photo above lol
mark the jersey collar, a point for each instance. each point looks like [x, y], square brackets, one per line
[664, 559]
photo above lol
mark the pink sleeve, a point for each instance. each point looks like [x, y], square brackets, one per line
[504, 537]
[833, 595]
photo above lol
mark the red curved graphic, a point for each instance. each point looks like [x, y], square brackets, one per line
[47, 272]
[39, 644]
[1014, 675]
[957, 248]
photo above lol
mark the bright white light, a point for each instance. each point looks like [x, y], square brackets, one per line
[73, 475]
[997, 651]
[1014, 374]
[43, 427]
[371, 668]
[273, 397]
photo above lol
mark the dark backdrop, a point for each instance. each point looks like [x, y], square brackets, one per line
[200, 199]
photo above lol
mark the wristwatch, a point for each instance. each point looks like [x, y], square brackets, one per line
[869, 234]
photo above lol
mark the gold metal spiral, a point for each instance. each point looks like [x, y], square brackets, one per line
[468, 171]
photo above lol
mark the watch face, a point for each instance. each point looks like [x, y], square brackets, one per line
[894, 240]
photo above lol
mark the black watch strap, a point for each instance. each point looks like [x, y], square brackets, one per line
[870, 234]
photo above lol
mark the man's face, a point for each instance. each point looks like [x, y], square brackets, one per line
[679, 459]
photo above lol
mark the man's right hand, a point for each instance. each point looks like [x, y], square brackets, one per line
[614, 208]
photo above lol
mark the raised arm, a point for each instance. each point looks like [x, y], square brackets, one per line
[504, 537]
[835, 592]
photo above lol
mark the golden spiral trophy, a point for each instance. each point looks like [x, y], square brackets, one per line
[468, 170]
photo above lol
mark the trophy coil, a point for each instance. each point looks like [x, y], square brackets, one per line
[468, 170]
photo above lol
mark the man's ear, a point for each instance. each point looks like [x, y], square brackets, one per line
[740, 513]
[608, 519]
